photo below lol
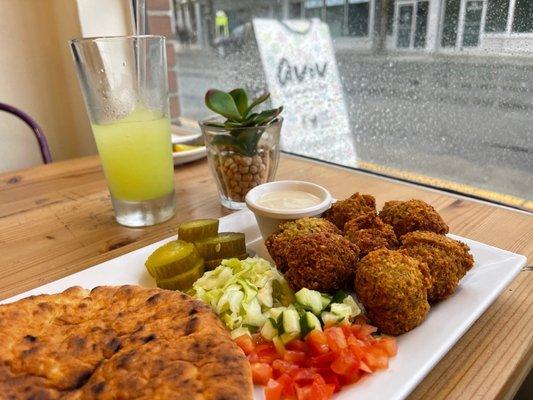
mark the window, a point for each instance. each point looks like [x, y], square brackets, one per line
[496, 20]
[450, 23]
[472, 23]
[523, 16]
[421, 24]
[313, 9]
[295, 10]
[358, 19]
[453, 108]
[335, 17]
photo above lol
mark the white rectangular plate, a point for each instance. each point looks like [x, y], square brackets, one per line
[418, 351]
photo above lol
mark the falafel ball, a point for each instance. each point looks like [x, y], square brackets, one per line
[393, 289]
[369, 233]
[344, 210]
[321, 261]
[448, 260]
[412, 215]
[277, 243]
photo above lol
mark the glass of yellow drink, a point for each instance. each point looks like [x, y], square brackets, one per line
[124, 83]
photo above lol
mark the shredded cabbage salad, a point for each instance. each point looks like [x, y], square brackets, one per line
[242, 292]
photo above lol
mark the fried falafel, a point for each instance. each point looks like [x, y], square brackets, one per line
[448, 260]
[412, 215]
[344, 210]
[321, 261]
[277, 243]
[393, 289]
[369, 233]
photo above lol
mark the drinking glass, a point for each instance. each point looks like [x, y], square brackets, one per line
[124, 84]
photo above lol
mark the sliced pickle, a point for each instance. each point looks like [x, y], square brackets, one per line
[224, 245]
[171, 259]
[184, 280]
[197, 229]
[282, 291]
[209, 265]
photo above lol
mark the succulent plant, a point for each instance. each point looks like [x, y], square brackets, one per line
[239, 115]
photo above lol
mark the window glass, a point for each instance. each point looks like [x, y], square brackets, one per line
[358, 19]
[295, 10]
[523, 16]
[497, 11]
[472, 23]
[335, 19]
[450, 23]
[436, 101]
[405, 26]
[421, 23]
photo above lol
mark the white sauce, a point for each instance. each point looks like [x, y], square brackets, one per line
[288, 200]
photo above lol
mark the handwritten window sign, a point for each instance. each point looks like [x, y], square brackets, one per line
[301, 73]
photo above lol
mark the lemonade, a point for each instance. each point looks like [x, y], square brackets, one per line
[136, 154]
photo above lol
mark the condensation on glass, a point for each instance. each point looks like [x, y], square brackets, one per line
[434, 88]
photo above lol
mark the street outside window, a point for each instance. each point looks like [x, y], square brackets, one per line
[437, 92]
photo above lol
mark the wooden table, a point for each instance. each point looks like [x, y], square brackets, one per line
[57, 219]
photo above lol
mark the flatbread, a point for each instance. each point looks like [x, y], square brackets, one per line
[122, 342]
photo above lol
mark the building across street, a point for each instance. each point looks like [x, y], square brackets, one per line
[475, 26]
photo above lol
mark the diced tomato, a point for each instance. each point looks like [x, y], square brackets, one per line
[246, 343]
[388, 344]
[331, 379]
[266, 353]
[288, 385]
[317, 341]
[284, 367]
[351, 378]
[252, 357]
[366, 330]
[295, 357]
[376, 358]
[319, 366]
[261, 373]
[323, 360]
[336, 339]
[345, 363]
[273, 390]
[296, 345]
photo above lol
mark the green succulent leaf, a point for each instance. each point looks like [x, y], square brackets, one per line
[241, 100]
[257, 101]
[230, 141]
[215, 124]
[263, 118]
[222, 103]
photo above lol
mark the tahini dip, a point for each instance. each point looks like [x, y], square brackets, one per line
[288, 200]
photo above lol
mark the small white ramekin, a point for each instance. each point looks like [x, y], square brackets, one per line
[269, 219]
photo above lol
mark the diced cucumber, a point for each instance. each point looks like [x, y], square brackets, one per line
[341, 310]
[329, 318]
[291, 321]
[276, 311]
[269, 331]
[349, 301]
[309, 322]
[289, 336]
[339, 297]
[279, 345]
[326, 300]
[310, 299]
[239, 332]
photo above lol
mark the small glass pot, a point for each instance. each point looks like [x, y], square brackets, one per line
[241, 158]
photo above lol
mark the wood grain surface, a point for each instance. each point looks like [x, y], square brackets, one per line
[57, 219]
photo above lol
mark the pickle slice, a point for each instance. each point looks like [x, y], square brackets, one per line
[224, 245]
[197, 229]
[172, 258]
[184, 280]
[209, 265]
